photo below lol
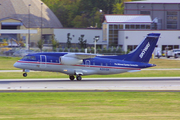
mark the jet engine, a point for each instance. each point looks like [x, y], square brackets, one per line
[70, 61]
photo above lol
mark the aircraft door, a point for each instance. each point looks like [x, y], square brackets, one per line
[43, 61]
[87, 63]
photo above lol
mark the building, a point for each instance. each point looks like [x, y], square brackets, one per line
[28, 15]
[115, 23]
[164, 13]
[75, 33]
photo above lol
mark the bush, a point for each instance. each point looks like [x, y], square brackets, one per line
[71, 49]
[92, 49]
[60, 49]
[66, 49]
[82, 50]
[76, 50]
[104, 50]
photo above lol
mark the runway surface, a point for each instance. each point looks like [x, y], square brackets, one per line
[92, 84]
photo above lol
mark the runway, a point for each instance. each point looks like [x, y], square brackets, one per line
[92, 84]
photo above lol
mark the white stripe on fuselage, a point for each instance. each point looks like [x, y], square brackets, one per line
[69, 69]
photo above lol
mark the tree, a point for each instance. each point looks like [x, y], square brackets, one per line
[54, 43]
[40, 44]
[82, 42]
[118, 8]
[68, 40]
[84, 13]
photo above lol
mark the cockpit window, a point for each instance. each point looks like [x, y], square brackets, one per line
[29, 58]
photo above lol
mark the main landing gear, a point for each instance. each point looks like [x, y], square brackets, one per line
[78, 78]
[24, 74]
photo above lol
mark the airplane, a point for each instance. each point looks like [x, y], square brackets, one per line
[80, 64]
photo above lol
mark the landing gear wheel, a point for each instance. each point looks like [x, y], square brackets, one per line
[25, 74]
[78, 78]
[71, 77]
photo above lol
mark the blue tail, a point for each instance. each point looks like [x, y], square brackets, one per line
[143, 52]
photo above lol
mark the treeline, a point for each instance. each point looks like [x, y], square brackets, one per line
[84, 13]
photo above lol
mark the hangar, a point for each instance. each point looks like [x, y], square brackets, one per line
[28, 15]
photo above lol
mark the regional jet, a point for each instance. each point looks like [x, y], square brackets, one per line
[80, 64]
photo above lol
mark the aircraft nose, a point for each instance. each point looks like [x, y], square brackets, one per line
[16, 64]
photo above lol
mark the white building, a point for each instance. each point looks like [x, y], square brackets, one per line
[115, 23]
[126, 31]
[89, 35]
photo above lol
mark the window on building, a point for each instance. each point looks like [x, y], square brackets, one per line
[116, 27]
[120, 26]
[47, 39]
[127, 27]
[172, 20]
[170, 47]
[111, 27]
[132, 26]
[147, 26]
[131, 47]
[143, 27]
[137, 26]
[110, 31]
[145, 12]
[176, 46]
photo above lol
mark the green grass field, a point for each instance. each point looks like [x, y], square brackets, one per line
[90, 106]
[6, 63]
[148, 73]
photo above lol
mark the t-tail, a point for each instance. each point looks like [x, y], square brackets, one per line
[143, 52]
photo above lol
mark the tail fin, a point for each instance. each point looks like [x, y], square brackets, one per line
[143, 52]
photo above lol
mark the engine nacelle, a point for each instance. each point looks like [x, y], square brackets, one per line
[70, 61]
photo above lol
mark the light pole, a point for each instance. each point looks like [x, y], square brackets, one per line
[41, 27]
[95, 40]
[29, 28]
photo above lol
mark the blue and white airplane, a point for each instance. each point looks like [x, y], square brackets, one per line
[79, 64]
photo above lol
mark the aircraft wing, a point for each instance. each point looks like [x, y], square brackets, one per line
[80, 55]
[85, 56]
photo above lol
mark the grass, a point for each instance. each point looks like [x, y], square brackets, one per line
[165, 63]
[90, 106]
[6, 63]
[148, 73]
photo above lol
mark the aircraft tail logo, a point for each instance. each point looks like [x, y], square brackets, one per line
[144, 50]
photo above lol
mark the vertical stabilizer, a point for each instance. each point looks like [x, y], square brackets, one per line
[143, 52]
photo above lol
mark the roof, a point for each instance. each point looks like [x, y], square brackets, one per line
[156, 1]
[128, 18]
[19, 10]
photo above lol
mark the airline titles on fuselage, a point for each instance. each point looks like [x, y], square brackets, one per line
[133, 65]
